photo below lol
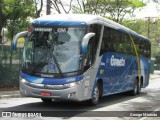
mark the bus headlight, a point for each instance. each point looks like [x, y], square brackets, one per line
[23, 80]
[73, 84]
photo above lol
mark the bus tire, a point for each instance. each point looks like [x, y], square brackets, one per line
[46, 100]
[138, 89]
[135, 89]
[96, 95]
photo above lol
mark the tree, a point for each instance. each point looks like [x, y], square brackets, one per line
[38, 11]
[14, 15]
[157, 1]
[79, 6]
[141, 26]
[60, 6]
[3, 16]
[119, 8]
[138, 25]
[12, 11]
[115, 9]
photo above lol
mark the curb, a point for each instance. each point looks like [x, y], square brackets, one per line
[10, 96]
[154, 78]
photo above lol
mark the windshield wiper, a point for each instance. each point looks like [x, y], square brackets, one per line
[58, 67]
[55, 60]
[43, 64]
[39, 63]
[51, 54]
[54, 37]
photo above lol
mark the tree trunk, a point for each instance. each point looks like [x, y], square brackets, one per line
[1, 26]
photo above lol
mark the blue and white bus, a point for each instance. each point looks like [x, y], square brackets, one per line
[78, 57]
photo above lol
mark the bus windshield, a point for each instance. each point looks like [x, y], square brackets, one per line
[54, 50]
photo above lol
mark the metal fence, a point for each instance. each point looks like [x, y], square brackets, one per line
[10, 63]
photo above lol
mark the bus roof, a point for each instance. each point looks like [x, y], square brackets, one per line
[81, 20]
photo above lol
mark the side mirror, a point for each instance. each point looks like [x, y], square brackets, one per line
[16, 37]
[85, 41]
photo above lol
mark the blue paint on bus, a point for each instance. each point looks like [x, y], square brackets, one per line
[121, 77]
[50, 81]
[50, 23]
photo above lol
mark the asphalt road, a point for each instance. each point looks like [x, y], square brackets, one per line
[120, 106]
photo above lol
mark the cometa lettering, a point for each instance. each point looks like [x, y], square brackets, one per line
[117, 62]
[44, 75]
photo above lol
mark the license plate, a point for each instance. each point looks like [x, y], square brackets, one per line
[45, 93]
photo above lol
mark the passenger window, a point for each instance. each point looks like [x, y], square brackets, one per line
[106, 45]
[141, 47]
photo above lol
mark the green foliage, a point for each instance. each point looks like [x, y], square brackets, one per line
[149, 28]
[138, 25]
[119, 8]
[156, 1]
[15, 15]
[116, 9]
[157, 59]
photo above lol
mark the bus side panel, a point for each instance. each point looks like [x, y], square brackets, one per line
[89, 82]
[118, 72]
[144, 62]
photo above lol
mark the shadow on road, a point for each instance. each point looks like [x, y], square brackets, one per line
[71, 109]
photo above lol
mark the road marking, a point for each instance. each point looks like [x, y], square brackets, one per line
[143, 118]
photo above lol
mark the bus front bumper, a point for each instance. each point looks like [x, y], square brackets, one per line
[74, 93]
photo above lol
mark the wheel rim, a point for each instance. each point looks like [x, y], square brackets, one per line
[139, 89]
[96, 94]
[136, 88]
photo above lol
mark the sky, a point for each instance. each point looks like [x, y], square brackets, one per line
[151, 10]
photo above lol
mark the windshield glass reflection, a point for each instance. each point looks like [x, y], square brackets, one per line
[54, 50]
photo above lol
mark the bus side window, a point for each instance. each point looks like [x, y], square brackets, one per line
[141, 48]
[103, 50]
[136, 42]
[95, 40]
[105, 41]
[127, 48]
[113, 41]
[113, 47]
[120, 47]
[149, 50]
[146, 49]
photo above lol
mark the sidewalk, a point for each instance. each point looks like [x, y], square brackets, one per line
[15, 94]
[9, 94]
[155, 75]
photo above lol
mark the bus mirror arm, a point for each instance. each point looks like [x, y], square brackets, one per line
[16, 37]
[85, 41]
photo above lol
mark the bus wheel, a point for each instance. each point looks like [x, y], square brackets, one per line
[137, 89]
[45, 100]
[134, 91]
[94, 100]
